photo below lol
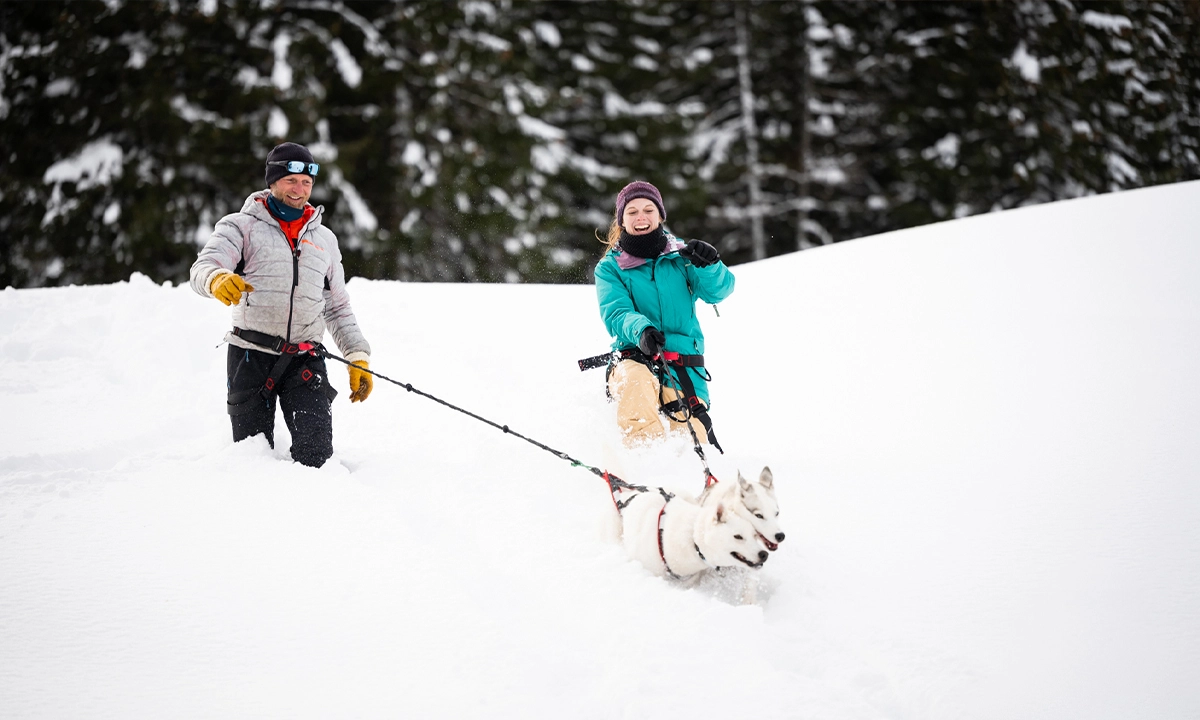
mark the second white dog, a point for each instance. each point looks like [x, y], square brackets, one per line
[755, 501]
[679, 537]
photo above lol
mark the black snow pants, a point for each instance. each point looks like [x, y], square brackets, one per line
[304, 393]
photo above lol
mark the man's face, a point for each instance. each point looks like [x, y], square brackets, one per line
[292, 190]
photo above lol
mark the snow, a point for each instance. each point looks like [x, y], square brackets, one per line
[983, 435]
[547, 33]
[277, 123]
[1105, 21]
[359, 210]
[347, 66]
[281, 72]
[1026, 64]
[98, 163]
[195, 114]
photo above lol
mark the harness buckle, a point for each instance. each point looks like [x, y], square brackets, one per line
[301, 348]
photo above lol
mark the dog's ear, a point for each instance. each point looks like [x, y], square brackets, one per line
[766, 479]
[744, 484]
[726, 495]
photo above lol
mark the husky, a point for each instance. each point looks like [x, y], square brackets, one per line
[755, 502]
[681, 538]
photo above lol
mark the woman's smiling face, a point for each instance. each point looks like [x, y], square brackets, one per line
[640, 217]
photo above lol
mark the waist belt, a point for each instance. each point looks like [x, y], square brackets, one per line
[672, 358]
[271, 342]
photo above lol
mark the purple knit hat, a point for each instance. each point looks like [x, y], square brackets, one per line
[639, 189]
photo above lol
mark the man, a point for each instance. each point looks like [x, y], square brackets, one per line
[281, 269]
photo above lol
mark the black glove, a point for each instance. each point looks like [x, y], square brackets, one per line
[652, 341]
[700, 253]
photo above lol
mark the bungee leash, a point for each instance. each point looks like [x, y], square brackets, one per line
[613, 481]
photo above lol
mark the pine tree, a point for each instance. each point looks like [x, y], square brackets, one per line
[138, 137]
[486, 140]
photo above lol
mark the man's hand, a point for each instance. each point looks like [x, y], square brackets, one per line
[228, 288]
[360, 381]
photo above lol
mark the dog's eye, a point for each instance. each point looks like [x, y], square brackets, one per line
[738, 537]
[759, 516]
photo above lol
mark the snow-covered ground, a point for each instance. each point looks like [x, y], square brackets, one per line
[985, 436]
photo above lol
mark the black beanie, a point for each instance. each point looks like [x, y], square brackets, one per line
[283, 152]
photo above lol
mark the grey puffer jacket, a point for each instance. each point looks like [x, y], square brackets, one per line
[296, 294]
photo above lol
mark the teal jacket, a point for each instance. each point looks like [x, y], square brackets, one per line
[635, 294]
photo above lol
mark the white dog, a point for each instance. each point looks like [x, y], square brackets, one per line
[755, 501]
[681, 538]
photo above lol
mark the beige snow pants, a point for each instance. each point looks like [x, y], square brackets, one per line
[635, 390]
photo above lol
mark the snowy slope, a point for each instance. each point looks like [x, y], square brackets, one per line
[984, 436]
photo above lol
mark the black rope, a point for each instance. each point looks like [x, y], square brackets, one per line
[612, 480]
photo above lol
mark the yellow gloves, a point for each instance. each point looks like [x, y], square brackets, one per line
[228, 288]
[360, 381]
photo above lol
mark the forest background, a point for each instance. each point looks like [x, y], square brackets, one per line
[485, 140]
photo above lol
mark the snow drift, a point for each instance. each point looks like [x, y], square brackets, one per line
[983, 435]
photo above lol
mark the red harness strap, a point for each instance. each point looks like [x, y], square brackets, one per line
[662, 554]
[612, 491]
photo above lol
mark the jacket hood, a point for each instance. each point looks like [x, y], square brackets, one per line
[256, 207]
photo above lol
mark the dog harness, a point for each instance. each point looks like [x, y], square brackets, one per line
[616, 484]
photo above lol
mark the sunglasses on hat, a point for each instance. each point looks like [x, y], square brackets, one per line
[296, 166]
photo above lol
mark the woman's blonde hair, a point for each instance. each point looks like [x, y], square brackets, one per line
[614, 234]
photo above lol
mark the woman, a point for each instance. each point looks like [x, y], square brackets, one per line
[647, 284]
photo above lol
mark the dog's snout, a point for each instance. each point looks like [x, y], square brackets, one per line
[762, 555]
[778, 537]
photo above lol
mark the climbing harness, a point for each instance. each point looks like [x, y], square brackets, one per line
[688, 405]
[247, 401]
[681, 410]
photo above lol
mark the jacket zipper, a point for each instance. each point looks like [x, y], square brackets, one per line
[658, 293]
[295, 270]
[295, 283]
